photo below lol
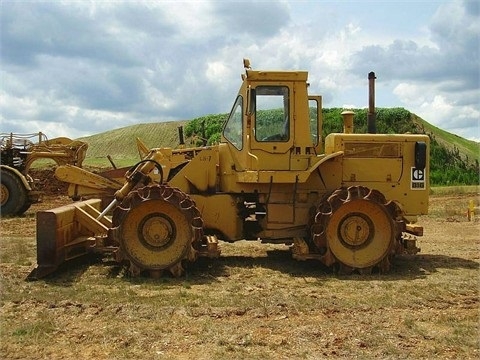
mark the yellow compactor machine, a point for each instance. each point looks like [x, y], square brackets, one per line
[349, 200]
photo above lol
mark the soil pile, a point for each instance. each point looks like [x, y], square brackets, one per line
[46, 182]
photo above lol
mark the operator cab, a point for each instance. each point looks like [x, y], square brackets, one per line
[274, 124]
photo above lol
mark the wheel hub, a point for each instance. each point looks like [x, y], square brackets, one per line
[156, 231]
[356, 231]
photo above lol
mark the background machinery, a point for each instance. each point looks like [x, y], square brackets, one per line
[348, 200]
[18, 152]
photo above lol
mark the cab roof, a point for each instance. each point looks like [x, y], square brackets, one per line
[276, 75]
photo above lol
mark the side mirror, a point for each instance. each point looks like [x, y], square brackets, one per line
[420, 155]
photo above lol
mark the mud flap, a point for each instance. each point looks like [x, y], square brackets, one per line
[66, 233]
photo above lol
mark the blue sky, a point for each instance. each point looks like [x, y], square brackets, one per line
[75, 68]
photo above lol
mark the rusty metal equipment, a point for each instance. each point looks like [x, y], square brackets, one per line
[18, 152]
[348, 200]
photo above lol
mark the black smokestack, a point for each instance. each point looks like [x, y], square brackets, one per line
[180, 135]
[371, 116]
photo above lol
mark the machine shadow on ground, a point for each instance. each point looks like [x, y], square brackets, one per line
[205, 270]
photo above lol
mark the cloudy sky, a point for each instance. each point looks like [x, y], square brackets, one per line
[75, 68]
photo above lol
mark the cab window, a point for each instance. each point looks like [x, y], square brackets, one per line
[233, 131]
[271, 113]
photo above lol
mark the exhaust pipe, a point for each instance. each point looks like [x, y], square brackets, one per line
[371, 116]
[180, 136]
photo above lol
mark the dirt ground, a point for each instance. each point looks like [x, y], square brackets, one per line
[254, 302]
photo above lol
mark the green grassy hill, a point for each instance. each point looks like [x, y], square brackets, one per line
[120, 144]
[469, 150]
[454, 160]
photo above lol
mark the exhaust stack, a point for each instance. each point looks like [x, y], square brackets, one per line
[181, 139]
[371, 116]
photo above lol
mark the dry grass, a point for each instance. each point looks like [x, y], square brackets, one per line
[254, 302]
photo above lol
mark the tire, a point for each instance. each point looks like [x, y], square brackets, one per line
[157, 227]
[24, 208]
[14, 196]
[357, 229]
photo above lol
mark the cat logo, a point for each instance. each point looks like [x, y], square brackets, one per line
[417, 179]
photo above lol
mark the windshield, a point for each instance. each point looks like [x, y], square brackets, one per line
[233, 131]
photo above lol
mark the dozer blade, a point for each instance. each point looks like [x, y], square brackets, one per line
[66, 233]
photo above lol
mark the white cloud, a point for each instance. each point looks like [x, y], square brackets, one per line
[440, 110]
[409, 94]
[217, 71]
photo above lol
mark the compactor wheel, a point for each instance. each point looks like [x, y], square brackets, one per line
[156, 228]
[13, 195]
[357, 229]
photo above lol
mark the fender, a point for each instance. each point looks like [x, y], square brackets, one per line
[22, 177]
[305, 175]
